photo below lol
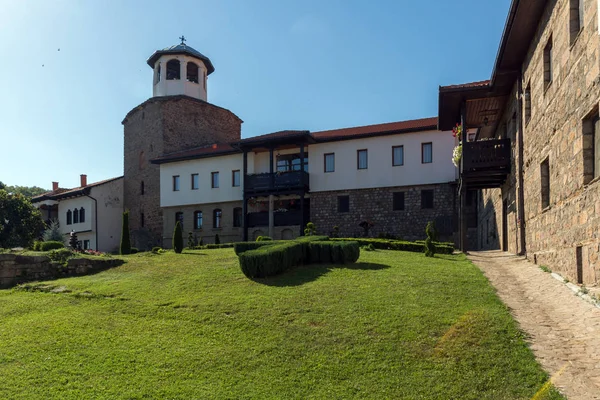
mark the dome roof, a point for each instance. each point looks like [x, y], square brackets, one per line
[182, 49]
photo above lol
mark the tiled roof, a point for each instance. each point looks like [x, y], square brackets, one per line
[181, 49]
[197, 152]
[374, 130]
[62, 193]
[470, 85]
[275, 135]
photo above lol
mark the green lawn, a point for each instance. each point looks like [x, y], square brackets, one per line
[191, 326]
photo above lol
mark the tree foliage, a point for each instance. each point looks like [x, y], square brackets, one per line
[20, 222]
[52, 233]
[178, 238]
[125, 239]
[27, 191]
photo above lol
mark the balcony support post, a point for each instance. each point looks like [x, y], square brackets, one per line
[463, 184]
[244, 198]
[302, 213]
[271, 216]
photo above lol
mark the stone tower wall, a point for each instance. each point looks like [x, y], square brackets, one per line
[160, 126]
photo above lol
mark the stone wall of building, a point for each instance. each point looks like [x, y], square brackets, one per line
[159, 126]
[15, 269]
[565, 234]
[376, 205]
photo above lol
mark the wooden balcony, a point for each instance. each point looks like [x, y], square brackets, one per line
[486, 163]
[288, 218]
[276, 183]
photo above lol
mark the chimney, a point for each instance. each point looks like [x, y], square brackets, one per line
[54, 186]
[83, 180]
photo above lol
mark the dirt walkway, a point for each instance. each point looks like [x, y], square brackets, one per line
[564, 330]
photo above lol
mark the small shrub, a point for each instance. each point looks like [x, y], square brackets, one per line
[263, 238]
[545, 269]
[368, 247]
[201, 243]
[217, 239]
[429, 246]
[36, 245]
[335, 233]
[310, 229]
[156, 250]
[178, 238]
[52, 245]
[190, 241]
[134, 250]
[60, 255]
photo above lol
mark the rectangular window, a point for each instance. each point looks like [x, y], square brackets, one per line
[427, 199]
[237, 217]
[398, 201]
[397, 156]
[217, 214]
[575, 18]
[86, 244]
[343, 204]
[176, 183]
[548, 63]
[195, 182]
[427, 153]
[197, 219]
[291, 162]
[527, 103]
[214, 179]
[235, 178]
[329, 162]
[545, 179]
[591, 147]
[362, 159]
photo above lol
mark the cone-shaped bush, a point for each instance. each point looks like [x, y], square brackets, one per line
[178, 238]
[429, 246]
[125, 239]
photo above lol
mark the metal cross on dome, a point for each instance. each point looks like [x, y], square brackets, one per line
[182, 38]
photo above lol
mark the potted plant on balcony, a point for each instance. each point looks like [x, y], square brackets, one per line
[457, 152]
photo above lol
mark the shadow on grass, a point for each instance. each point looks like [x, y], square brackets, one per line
[309, 273]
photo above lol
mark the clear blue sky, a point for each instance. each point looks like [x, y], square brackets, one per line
[280, 64]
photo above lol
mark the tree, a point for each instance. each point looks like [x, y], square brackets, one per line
[178, 238]
[73, 241]
[217, 239]
[125, 239]
[27, 191]
[310, 229]
[429, 245]
[52, 233]
[20, 222]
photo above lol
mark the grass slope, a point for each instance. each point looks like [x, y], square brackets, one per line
[395, 325]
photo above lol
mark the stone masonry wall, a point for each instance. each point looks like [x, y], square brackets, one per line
[376, 205]
[160, 126]
[556, 132]
[15, 269]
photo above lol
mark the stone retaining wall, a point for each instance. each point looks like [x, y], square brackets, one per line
[15, 269]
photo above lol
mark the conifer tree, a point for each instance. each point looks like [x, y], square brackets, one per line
[125, 238]
[178, 238]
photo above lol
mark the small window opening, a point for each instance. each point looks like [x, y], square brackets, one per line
[173, 70]
[192, 72]
[545, 179]
[548, 63]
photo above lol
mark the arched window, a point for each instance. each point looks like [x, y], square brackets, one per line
[142, 187]
[81, 214]
[173, 70]
[237, 217]
[217, 214]
[69, 217]
[197, 219]
[75, 216]
[192, 72]
[157, 74]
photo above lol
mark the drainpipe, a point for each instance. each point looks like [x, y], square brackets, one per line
[95, 217]
[520, 196]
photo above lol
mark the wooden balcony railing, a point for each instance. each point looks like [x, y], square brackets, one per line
[486, 154]
[267, 183]
[287, 218]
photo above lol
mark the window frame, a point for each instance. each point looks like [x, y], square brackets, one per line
[217, 218]
[358, 153]
[238, 217]
[69, 217]
[423, 146]
[325, 162]
[176, 183]
[395, 201]
[424, 200]
[394, 156]
[545, 190]
[340, 200]
[197, 186]
[212, 180]
[239, 175]
[198, 213]
[81, 215]
[547, 63]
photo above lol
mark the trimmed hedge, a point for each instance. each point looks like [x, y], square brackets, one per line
[263, 238]
[275, 257]
[385, 244]
[51, 245]
[242, 247]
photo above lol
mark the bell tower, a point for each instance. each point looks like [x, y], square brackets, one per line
[180, 70]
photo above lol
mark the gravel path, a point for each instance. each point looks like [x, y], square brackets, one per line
[563, 329]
